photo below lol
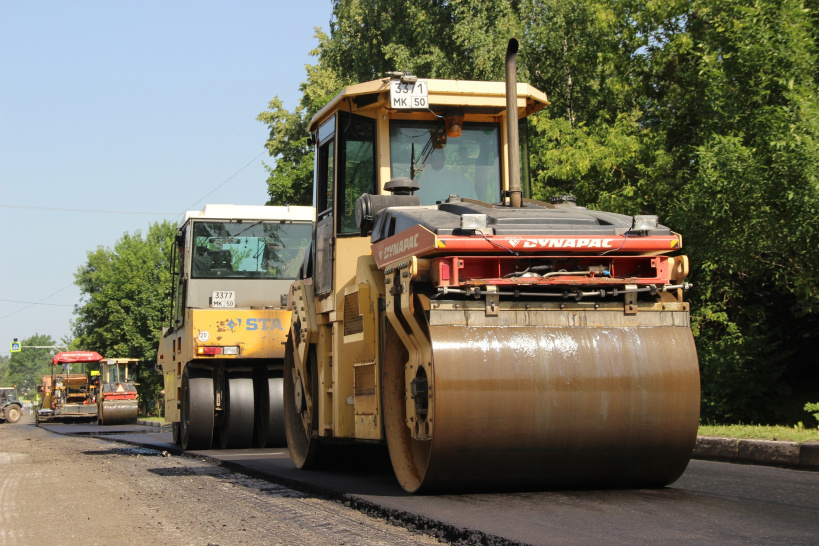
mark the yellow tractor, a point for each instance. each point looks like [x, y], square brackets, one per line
[222, 352]
[490, 340]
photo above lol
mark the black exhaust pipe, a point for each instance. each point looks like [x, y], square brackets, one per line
[515, 194]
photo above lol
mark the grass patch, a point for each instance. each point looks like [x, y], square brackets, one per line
[761, 432]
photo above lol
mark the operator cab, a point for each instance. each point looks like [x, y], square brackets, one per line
[8, 395]
[118, 374]
[237, 257]
[446, 137]
[365, 138]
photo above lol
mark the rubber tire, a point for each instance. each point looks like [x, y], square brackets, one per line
[236, 429]
[269, 427]
[13, 414]
[196, 422]
[261, 415]
[275, 435]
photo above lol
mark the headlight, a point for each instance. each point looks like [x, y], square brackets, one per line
[645, 223]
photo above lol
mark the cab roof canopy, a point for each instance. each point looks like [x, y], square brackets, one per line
[75, 356]
[475, 98]
[119, 360]
[251, 212]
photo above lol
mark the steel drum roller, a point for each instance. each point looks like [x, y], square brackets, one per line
[119, 412]
[534, 406]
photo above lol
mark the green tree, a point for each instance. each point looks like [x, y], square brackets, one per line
[368, 39]
[26, 368]
[125, 293]
[750, 204]
[4, 367]
[290, 180]
[703, 112]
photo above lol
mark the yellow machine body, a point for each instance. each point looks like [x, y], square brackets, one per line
[255, 333]
[489, 345]
[221, 355]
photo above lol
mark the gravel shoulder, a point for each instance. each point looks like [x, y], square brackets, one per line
[81, 490]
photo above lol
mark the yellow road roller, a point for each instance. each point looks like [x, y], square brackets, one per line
[117, 400]
[492, 341]
[221, 353]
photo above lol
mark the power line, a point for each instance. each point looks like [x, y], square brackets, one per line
[222, 184]
[97, 211]
[144, 213]
[37, 302]
[87, 211]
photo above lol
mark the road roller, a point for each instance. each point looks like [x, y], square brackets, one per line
[222, 351]
[69, 392]
[490, 340]
[117, 398]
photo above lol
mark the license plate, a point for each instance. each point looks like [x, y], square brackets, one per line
[223, 299]
[409, 96]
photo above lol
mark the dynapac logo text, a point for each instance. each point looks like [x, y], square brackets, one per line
[561, 243]
[401, 246]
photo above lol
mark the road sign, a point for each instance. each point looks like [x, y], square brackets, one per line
[16, 347]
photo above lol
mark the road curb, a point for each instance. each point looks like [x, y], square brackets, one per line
[147, 423]
[803, 456]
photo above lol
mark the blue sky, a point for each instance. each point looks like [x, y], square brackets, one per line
[118, 114]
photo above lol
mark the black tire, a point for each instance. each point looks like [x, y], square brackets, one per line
[261, 411]
[236, 429]
[269, 426]
[196, 422]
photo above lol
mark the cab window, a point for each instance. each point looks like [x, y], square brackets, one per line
[356, 167]
[468, 166]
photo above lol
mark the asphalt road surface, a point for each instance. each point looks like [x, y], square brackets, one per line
[78, 489]
[713, 503]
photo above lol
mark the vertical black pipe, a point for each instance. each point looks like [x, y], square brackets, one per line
[512, 138]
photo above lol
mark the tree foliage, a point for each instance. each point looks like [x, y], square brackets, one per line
[290, 180]
[4, 367]
[125, 293]
[27, 368]
[704, 112]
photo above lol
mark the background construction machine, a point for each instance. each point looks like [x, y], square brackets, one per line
[222, 353]
[117, 400]
[490, 340]
[11, 409]
[69, 393]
